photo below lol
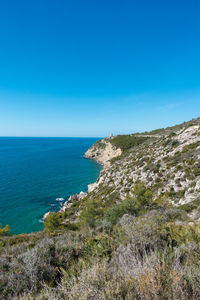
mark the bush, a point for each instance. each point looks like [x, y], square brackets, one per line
[92, 212]
[145, 233]
[143, 194]
[100, 245]
[197, 171]
[5, 230]
[126, 142]
[53, 222]
[29, 271]
[188, 207]
[139, 203]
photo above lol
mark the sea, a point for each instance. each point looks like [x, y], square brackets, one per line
[36, 172]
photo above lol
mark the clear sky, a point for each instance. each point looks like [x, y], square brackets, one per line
[92, 67]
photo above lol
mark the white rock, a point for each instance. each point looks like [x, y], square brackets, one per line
[46, 215]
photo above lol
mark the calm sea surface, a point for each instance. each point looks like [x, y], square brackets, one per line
[36, 171]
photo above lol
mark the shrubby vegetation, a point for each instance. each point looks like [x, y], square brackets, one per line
[4, 230]
[99, 145]
[136, 205]
[173, 130]
[126, 142]
[136, 249]
[106, 248]
[53, 222]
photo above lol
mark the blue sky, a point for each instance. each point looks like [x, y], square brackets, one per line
[88, 68]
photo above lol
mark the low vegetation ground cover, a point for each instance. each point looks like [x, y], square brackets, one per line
[136, 249]
[125, 240]
[125, 142]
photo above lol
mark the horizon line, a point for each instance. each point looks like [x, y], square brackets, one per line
[74, 137]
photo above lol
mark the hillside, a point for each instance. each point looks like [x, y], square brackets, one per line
[168, 163]
[134, 235]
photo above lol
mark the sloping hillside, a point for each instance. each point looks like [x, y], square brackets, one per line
[134, 235]
[168, 163]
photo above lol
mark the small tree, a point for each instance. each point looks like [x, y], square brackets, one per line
[140, 202]
[52, 222]
[92, 212]
[143, 194]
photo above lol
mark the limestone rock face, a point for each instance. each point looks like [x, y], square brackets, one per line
[46, 215]
[102, 152]
[168, 162]
[73, 198]
[92, 186]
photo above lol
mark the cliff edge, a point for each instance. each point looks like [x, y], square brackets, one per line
[134, 235]
[103, 151]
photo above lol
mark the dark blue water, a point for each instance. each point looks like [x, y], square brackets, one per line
[36, 171]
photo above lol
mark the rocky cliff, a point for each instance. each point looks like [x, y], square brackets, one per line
[134, 235]
[103, 151]
[165, 160]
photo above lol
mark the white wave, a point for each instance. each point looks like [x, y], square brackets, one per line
[60, 199]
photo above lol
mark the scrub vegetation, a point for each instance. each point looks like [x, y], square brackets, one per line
[139, 249]
[133, 237]
[126, 142]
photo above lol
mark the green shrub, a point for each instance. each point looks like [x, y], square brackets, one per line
[53, 222]
[184, 234]
[100, 245]
[188, 207]
[115, 213]
[143, 194]
[5, 230]
[92, 212]
[127, 141]
[140, 202]
[99, 144]
[190, 147]
[175, 143]
[197, 171]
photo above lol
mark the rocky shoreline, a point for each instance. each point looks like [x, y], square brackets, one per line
[102, 151]
[167, 163]
[136, 234]
[68, 203]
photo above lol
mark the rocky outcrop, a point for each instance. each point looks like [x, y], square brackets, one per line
[46, 215]
[73, 198]
[68, 203]
[168, 163]
[103, 151]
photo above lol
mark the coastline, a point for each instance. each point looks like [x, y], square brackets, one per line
[77, 196]
[81, 195]
[101, 151]
[36, 172]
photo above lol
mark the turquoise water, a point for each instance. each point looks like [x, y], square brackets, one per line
[36, 171]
